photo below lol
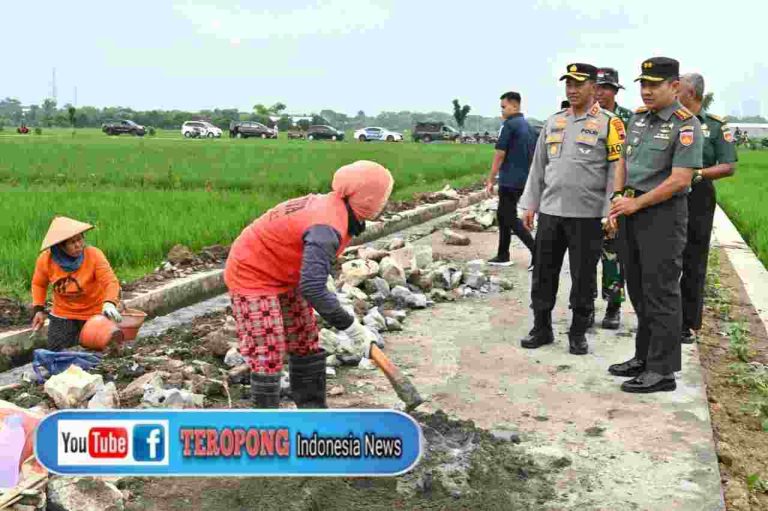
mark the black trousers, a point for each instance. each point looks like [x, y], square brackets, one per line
[654, 239]
[509, 222]
[701, 214]
[63, 333]
[583, 238]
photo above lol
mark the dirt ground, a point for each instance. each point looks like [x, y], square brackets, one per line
[742, 446]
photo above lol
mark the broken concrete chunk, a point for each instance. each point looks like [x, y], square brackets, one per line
[453, 238]
[393, 325]
[337, 390]
[486, 219]
[84, 494]
[358, 271]
[354, 292]
[417, 301]
[475, 280]
[233, 358]
[375, 320]
[377, 285]
[401, 295]
[180, 254]
[332, 361]
[136, 389]
[71, 388]
[330, 372]
[367, 364]
[171, 398]
[105, 398]
[399, 315]
[395, 244]
[372, 253]
[392, 272]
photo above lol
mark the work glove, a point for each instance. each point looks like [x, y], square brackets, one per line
[361, 338]
[110, 311]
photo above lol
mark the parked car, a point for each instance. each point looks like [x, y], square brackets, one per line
[321, 132]
[429, 131]
[203, 128]
[294, 134]
[124, 126]
[367, 134]
[245, 129]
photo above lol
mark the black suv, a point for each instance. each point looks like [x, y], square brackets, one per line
[429, 131]
[125, 126]
[321, 132]
[245, 129]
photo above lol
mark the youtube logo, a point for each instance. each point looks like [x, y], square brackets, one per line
[118, 442]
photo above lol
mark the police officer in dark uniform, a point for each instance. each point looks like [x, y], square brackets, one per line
[613, 277]
[663, 148]
[719, 161]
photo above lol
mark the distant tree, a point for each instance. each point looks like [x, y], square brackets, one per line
[72, 112]
[260, 109]
[318, 119]
[460, 113]
[709, 98]
[284, 123]
[303, 124]
[277, 108]
[49, 111]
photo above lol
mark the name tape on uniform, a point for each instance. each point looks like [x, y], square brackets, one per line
[229, 442]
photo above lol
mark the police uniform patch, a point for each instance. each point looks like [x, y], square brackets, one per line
[619, 127]
[686, 135]
[591, 125]
[553, 149]
[561, 122]
[553, 138]
[595, 109]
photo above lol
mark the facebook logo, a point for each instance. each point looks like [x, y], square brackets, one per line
[149, 442]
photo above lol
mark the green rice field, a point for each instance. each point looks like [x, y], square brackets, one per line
[147, 194]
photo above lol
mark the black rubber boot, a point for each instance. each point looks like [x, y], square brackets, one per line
[612, 317]
[308, 379]
[541, 333]
[265, 390]
[577, 339]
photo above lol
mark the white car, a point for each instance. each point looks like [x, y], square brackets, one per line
[206, 129]
[367, 134]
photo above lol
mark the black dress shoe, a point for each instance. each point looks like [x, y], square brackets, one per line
[628, 369]
[649, 382]
[687, 337]
[537, 338]
[612, 318]
[577, 344]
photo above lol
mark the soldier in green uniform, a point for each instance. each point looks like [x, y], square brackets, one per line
[568, 186]
[719, 161]
[613, 277]
[663, 148]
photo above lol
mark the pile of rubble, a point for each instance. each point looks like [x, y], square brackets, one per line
[478, 218]
[181, 262]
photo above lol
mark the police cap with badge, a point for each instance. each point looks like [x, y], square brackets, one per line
[580, 72]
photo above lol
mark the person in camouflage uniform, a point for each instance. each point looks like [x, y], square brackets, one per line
[719, 161]
[613, 276]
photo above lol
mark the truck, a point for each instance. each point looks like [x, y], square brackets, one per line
[429, 131]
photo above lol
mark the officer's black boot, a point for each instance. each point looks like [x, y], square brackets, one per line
[265, 390]
[577, 339]
[541, 333]
[612, 316]
[308, 379]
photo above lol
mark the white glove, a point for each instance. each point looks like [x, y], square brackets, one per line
[361, 338]
[110, 311]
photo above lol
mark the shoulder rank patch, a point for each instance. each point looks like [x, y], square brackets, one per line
[716, 117]
[686, 135]
[683, 114]
[595, 109]
[641, 110]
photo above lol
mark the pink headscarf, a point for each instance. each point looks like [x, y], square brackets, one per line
[366, 185]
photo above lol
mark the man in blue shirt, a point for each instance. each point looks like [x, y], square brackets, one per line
[511, 161]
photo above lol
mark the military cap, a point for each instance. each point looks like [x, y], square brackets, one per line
[580, 72]
[658, 69]
[608, 76]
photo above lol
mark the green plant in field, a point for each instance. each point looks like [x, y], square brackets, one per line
[739, 341]
[152, 131]
[38, 131]
[756, 483]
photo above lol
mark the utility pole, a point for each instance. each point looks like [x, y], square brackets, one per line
[53, 84]
[74, 97]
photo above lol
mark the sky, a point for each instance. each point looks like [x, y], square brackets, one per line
[387, 55]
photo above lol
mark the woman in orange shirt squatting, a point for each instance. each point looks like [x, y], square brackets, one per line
[83, 283]
[277, 272]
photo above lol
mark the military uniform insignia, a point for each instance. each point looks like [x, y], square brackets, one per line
[553, 138]
[686, 135]
[561, 122]
[554, 149]
[640, 123]
[716, 117]
[727, 135]
[594, 110]
[705, 130]
[662, 136]
[629, 150]
[573, 69]
[683, 114]
[641, 110]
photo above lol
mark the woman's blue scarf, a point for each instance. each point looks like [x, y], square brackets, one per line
[67, 263]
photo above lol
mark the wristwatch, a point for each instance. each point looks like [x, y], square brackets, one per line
[616, 195]
[698, 177]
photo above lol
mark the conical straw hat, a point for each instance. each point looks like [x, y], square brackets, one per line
[63, 228]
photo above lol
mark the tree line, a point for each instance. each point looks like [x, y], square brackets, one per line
[49, 114]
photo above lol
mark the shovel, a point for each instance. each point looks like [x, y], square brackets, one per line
[404, 389]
